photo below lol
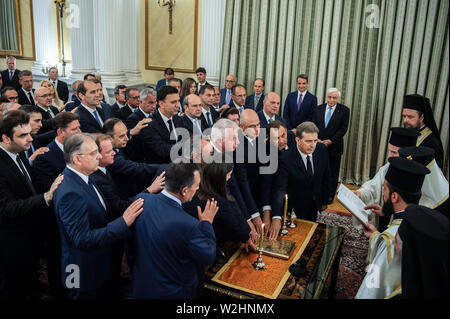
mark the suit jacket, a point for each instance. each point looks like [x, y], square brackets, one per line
[229, 224]
[245, 106]
[135, 146]
[63, 90]
[214, 115]
[170, 269]
[115, 109]
[160, 83]
[87, 230]
[336, 129]
[48, 166]
[15, 80]
[250, 101]
[47, 120]
[223, 97]
[110, 192]
[292, 179]
[131, 177]
[88, 124]
[291, 116]
[262, 119]
[107, 111]
[157, 142]
[198, 87]
[71, 106]
[187, 124]
[124, 112]
[22, 214]
[24, 99]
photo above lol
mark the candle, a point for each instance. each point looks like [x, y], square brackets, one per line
[285, 207]
[261, 237]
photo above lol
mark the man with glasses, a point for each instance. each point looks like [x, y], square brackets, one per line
[44, 98]
[10, 94]
[225, 93]
[238, 96]
[132, 98]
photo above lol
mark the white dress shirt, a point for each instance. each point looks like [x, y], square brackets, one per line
[92, 113]
[86, 180]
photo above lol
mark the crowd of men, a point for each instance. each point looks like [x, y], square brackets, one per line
[84, 185]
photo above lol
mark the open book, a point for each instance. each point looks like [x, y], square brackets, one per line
[353, 203]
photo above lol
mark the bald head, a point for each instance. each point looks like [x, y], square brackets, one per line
[193, 106]
[43, 97]
[249, 123]
[272, 104]
[230, 81]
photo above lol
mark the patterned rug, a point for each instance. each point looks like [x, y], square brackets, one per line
[353, 256]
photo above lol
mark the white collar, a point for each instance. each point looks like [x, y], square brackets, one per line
[165, 193]
[89, 109]
[302, 93]
[12, 155]
[165, 119]
[120, 105]
[82, 176]
[59, 145]
[267, 117]
[303, 155]
[146, 114]
[102, 169]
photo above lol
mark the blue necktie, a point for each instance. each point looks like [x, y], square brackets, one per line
[327, 118]
[97, 118]
[270, 121]
[208, 119]
[29, 153]
[228, 97]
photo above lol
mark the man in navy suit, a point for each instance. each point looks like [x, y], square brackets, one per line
[86, 223]
[106, 108]
[168, 74]
[161, 134]
[332, 120]
[299, 106]
[225, 93]
[172, 247]
[269, 113]
[255, 101]
[61, 86]
[50, 164]
[304, 175]
[119, 95]
[238, 96]
[201, 78]
[10, 76]
[193, 111]
[209, 114]
[132, 98]
[22, 209]
[91, 115]
[26, 93]
[43, 99]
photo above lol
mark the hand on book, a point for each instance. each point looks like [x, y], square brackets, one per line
[375, 208]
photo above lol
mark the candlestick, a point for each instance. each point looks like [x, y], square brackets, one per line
[259, 264]
[285, 206]
[284, 231]
[261, 238]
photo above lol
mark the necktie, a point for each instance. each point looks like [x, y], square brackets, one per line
[327, 118]
[170, 126]
[30, 97]
[208, 119]
[309, 166]
[300, 100]
[25, 174]
[50, 115]
[270, 121]
[256, 101]
[30, 152]
[97, 118]
[11, 74]
[228, 97]
[197, 126]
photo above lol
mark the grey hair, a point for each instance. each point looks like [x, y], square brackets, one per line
[218, 131]
[145, 92]
[186, 101]
[306, 127]
[331, 90]
[10, 57]
[8, 106]
[73, 145]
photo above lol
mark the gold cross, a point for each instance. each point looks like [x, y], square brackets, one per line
[170, 4]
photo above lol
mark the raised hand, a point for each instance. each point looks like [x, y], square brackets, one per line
[133, 211]
[209, 212]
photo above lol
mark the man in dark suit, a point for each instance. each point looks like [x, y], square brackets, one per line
[10, 94]
[44, 104]
[50, 164]
[332, 120]
[172, 269]
[304, 175]
[238, 96]
[161, 134]
[119, 95]
[10, 76]
[74, 98]
[225, 93]
[106, 108]
[22, 210]
[299, 106]
[139, 119]
[417, 113]
[201, 79]
[26, 93]
[176, 83]
[269, 113]
[168, 74]
[209, 114]
[132, 103]
[255, 101]
[91, 116]
[87, 227]
[192, 113]
[61, 86]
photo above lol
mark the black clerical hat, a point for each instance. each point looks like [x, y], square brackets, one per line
[406, 175]
[422, 154]
[403, 137]
[424, 221]
[416, 102]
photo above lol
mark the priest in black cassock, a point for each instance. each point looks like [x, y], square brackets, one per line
[417, 113]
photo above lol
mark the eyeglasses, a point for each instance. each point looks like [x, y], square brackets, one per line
[44, 96]
[93, 154]
[231, 81]
[13, 98]
[133, 97]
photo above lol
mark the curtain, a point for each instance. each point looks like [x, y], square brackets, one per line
[8, 32]
[373, 51]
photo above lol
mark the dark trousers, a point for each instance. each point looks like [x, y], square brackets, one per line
[335, 165]
[18, 280]
[307, 211]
